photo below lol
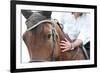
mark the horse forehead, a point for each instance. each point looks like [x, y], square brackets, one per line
[47, 27]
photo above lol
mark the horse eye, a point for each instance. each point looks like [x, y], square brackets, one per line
[49, 35]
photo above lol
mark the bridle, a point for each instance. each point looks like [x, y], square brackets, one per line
[54, 40]
[53, 34]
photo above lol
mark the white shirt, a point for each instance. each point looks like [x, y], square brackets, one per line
[76, 29]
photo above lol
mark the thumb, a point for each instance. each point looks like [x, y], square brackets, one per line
[66, 40]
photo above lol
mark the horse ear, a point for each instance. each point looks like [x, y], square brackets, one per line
[46, 13]
[26, 13]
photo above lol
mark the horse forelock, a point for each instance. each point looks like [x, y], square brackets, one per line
[42, 28]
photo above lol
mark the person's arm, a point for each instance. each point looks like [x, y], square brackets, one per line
[66, 45]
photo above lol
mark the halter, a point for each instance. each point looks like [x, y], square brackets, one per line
[53, 23]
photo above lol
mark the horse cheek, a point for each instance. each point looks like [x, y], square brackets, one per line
[57, 49]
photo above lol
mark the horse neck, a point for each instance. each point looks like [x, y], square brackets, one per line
[62, 35]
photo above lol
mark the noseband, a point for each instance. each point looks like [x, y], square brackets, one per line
[53, 23]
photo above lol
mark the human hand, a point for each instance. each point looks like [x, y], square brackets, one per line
[65, 45]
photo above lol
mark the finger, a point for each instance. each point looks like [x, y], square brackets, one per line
[62, 47]
[64, 50]
[62, 42]
[66, 39]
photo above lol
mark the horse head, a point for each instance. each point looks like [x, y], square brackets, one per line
[42, 40]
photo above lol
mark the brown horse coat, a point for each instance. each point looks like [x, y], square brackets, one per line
[39, 41]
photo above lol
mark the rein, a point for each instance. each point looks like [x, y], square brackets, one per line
[53, 23]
